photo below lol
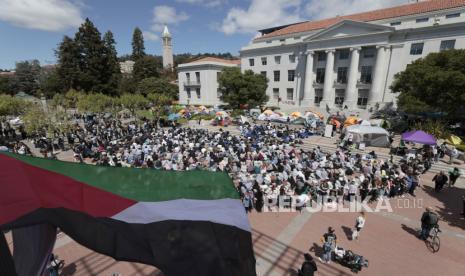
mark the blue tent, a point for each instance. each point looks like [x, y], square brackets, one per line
[173, 117]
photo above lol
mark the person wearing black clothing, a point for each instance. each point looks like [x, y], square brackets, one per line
[308, 266]
[439, 181]
[428, 221]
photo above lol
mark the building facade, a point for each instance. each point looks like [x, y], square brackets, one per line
[126, 67]
[198, 80]
[167, 49]
[349, 62]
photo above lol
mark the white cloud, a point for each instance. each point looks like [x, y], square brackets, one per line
[207, 3]
[317, 9]
[47, 15]
[166, 15]
[261, 14]
[150, 36]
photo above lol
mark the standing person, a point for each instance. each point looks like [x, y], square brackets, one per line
[359, 224]
[453, 154]
[415, 182]
[453, 176]
[428, 220]
[308, 266]
[440, 180]
[329, 240]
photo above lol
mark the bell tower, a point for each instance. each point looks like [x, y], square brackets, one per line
[167, 49]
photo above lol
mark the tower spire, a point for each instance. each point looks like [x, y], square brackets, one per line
[167, 49]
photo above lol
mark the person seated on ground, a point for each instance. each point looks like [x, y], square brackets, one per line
[308, 267]
[428, 221]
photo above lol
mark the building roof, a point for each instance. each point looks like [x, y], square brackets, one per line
[166, 32]
[219, 60]
[398, 11]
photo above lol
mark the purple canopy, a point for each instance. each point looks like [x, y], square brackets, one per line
[420, 137]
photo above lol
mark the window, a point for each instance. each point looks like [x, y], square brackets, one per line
[447, 45]
[263, 60]
[276, 93]
[396, 23]
[452, 15]
[297, 37]
[416, 49]
[218, 93]
[291, 75]
[318, 96]
[263, 73]
[290, 94]
[188, 91]
[339, 99]
[251, 62]
[277, 59]
[320, 75]
[268, 41]
[369, 52]
[362, 100]
[342, 74]
[321, 56]
[421, 20]
[292, 58]
[277, 75]
[344, 54]
[188, 77]
[197, 90]
[218, 74]
[282, 40]
[197, 77]
[365, 74]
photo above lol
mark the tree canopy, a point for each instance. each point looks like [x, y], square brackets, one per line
[138, 48]
[89, 62]
[146, 67]
[157, 86]
[435, 83]
[245, 88]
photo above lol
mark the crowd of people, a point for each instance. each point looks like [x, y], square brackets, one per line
[265, 162]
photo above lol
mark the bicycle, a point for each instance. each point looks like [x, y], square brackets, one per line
[434, 243]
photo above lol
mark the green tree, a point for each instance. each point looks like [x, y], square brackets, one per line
[138, 48]
[36, 120]
[245, 88]
[112, 62]
[159, 102]
[159, 86]
[127, 84]
[133, 102]
[434, 83]
[95, 103]
[68, 70]
[50, 84]
[27, 76]
[12, 106]
[5, 85]
[146, 67]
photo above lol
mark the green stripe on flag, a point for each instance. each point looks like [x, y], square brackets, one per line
[147, 185]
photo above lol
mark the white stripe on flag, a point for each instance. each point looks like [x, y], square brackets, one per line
[224, 211]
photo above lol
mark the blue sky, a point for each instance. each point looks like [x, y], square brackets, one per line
[32, 29]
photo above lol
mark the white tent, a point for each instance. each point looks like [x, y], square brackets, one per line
[370, 135]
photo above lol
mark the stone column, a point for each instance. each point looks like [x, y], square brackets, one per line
[351, 92]
[377, 87]
[309, 91]
[328, 91]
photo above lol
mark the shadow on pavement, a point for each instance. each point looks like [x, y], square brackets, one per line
[285, 259]
[68, 270]
[348, 232]
[451, 198]
[410, 230]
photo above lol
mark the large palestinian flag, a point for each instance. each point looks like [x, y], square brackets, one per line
[184, 223]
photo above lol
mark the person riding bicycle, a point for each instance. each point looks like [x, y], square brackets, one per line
[429, 220]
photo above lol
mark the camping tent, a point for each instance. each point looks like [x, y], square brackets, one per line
[369, 135]
[420, 137]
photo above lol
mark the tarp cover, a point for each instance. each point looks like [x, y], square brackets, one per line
[420, 137]
[369, 135]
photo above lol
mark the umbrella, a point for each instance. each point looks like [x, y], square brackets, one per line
[351, 121]
[268, 112]
[173, 117]
[420, 137]
[296, 114]
[221, 113]
[335, 122]
[454, 140]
